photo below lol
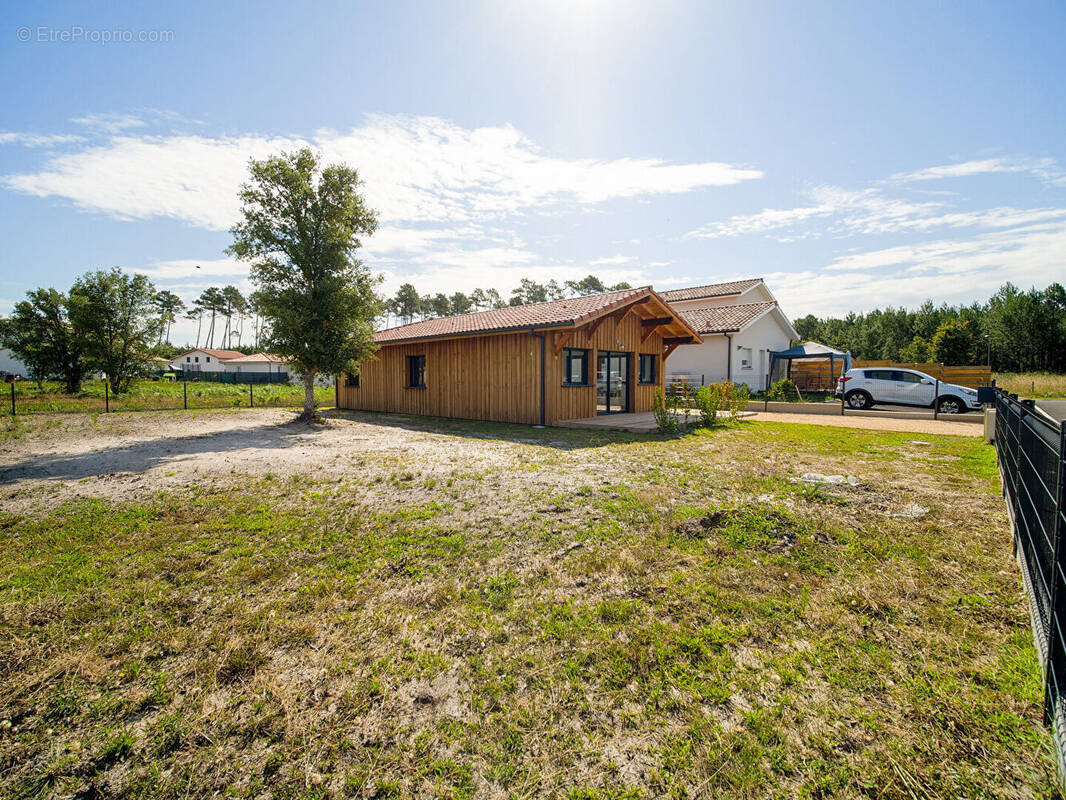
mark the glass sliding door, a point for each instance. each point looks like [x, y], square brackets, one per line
[612, 382]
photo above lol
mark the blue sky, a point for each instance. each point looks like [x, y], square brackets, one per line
[854, 154]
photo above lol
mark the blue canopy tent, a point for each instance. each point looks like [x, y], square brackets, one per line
[781, 362]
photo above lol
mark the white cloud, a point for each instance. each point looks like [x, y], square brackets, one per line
[416, 170]
[949, 270]
[1046, 168]
[109, 123]
[178, 269]
[611, 260]
[38, 140]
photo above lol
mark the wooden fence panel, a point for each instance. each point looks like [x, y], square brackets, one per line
[815, 376]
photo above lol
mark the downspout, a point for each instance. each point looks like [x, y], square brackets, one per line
[543, 377]
[729, 358]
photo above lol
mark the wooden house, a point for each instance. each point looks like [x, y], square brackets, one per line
[534, 364]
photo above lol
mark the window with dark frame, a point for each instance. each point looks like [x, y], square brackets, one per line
[575, 367]
[416, 372]
[352, 380]
[647, 368]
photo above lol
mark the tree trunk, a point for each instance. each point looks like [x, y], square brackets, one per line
[309, 396]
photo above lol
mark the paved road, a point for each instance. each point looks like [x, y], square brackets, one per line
[1054, 408]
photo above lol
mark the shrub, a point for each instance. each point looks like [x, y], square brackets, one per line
[784, 390]
[709, 403]
[737, 399]
[664, 418]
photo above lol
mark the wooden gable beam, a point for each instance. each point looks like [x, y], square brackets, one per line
[655, 322]
[650, 326]
[560, 340]
[668, 350]
[592, 327]
[620, 313]
[677, 340]
[647, 332]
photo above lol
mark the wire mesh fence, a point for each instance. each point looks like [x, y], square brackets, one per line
[1031, 449]
[98, 397]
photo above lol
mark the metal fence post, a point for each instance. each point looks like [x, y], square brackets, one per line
[936, 398]
[107, 396]
[251, 397]
[336, 391]
[843, 391]
[12, 398]
[185, 394]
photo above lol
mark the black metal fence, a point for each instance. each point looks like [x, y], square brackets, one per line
[1031, 449]
[194, 376]
[26, 398]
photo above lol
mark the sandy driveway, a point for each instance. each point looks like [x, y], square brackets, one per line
[876, 423]
[131, 456]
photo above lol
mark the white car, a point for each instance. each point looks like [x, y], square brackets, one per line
[866, 386]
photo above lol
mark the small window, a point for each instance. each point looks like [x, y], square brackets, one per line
[416, 372]
[575, 367]
[208, 359]
[351, 380]
[647, 368]
[745, 358]
[188, 359]
[197, 359]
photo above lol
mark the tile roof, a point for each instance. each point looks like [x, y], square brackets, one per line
[724, 319]
[710, 290]
[221, 355]
[257, 357]
[535, 315]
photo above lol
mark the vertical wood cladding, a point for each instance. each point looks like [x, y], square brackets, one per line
[497, 376]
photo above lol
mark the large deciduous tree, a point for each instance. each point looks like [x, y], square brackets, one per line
[299, 229]
[40, 334]
[117, 316]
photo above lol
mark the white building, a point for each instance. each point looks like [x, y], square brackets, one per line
[208, 360]
[204, 360]
[740, 323]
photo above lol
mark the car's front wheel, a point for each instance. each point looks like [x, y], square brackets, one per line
[859, 400]
[950, 405]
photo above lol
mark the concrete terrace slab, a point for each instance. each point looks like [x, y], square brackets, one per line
[643, 422]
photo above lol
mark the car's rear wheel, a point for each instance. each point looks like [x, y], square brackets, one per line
[950, 405]
[859, 399]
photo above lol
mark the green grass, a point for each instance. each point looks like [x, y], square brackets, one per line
[154, 395]
[636, 617]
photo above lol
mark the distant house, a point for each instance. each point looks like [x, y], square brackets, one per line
[259, 363]
[204, 360]
[533, 364]
[740, 324]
